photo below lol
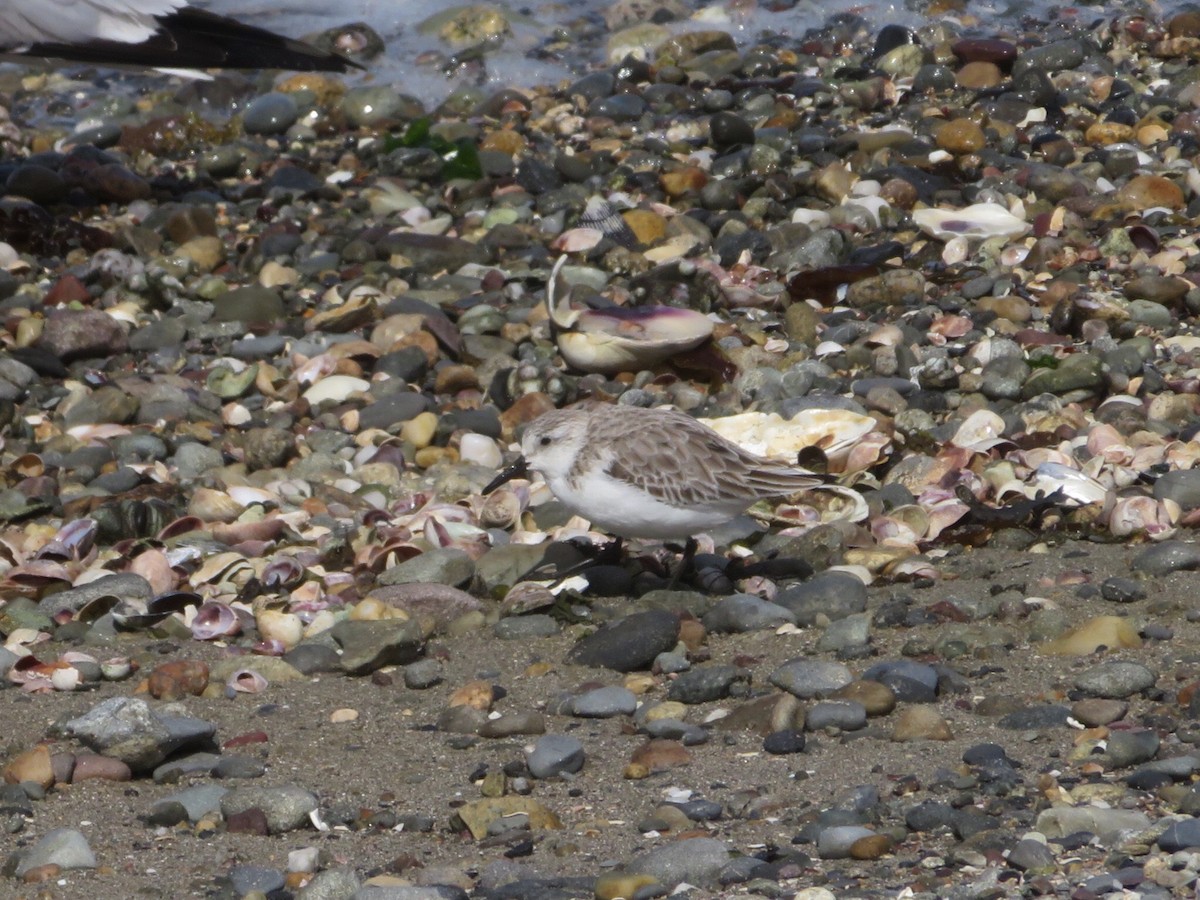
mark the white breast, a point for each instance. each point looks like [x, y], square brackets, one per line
[623, 509]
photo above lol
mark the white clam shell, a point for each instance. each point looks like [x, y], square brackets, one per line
[837, 432]
[620, 339]
[1052, 476]
[979, 220]
[336, 388]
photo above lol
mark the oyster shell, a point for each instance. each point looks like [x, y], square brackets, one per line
[619, 339]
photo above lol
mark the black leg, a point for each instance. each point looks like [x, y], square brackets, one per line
[685, 563]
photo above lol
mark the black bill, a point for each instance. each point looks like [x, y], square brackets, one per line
[519, 469]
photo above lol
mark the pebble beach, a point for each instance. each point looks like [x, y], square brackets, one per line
[264, 339]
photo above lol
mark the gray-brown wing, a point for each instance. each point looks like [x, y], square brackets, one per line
[681, 462]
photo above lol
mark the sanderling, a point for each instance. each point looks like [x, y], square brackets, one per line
[647, 473]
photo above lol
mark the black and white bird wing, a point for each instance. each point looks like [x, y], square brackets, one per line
[151, 33]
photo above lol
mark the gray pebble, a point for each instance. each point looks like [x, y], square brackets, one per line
[286, 807]
[845, 715]
[1167, 557]
[263, 879]
[835, 842]
[270, 113]
[746, 612]
[706, 683]
[422, 674]
[555, 754]
[66, 848]
[697, 861]
[831, 595]
[806, 678]
[1115, 679]
[604, 703]
[520, 628]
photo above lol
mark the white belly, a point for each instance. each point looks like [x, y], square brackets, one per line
[630, 512]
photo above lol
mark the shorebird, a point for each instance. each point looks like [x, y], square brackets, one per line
[648, 473]
[163, 34]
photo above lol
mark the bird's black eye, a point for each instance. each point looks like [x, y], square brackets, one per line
[545, 442]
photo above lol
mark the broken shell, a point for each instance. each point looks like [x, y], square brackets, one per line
[979, 220]
[620, 339]
[117, 668]
[215, 620]
[246, 681]
[282, 572]
[227, 382]
[213, 506]
[526, 597]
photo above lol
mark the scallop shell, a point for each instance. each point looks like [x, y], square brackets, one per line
[602, 216]
[620, 339]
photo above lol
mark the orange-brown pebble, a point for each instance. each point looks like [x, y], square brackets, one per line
[692, 632]
[872, 847]
[327, 89]
[975, 76]
[961, 136]
[455, 378]
[504, 141]
[178, 679]
[41, 874]
[1147, 191]
[1101, 134]
[33, 765]
[683, 181]
[475, 694]
[648, 227]
[660, 754]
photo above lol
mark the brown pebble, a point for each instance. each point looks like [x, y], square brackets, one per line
[975, 76]
[686, 180]
[1101, 134]
[1096, 711]
[1184, 24]
[877, 698]
[899, 193]
[1001, 53]
[692, 633]
[249, 821]
[921, 723]
[90, 766]
[659, 754]
[178, 679]
[32, 765]
[455, 378]
[41, 874]
[648, 227]
[1146, 191]
[961, 136]
[475, 694]
[873, 847]
[1012, 308]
